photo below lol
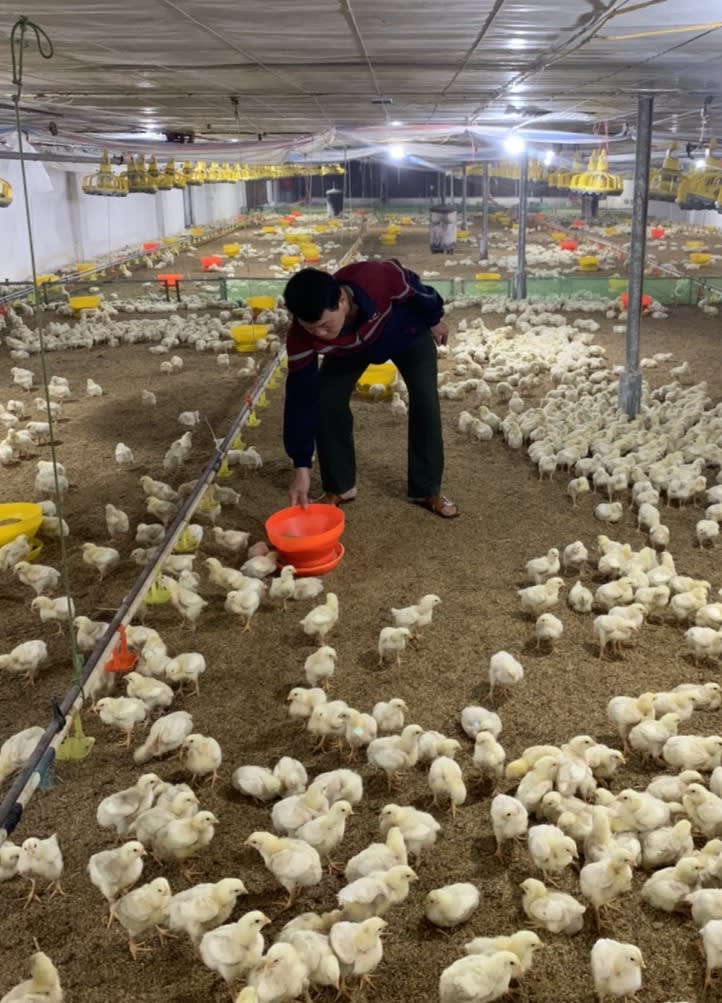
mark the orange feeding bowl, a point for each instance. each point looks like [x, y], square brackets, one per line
[211, 259]
[578, 224]
[568, 245]
[657, 232]
[170, 279]
[309, 538]
[646, 301]
[151, 245]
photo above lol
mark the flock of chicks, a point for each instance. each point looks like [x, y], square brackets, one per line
[563, 789]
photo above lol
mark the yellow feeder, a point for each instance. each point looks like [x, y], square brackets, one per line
[238, 443]
[186, 544]
[46, 280]
[320, 228]
[247, 336]
[79, 303]
[694, 245]
[393, 228]
[388, 239]
[463, 234]
[588, 263]
[406, 221]
[488, 276]
[156, 595]
[252, 421]
[609, 231]
[262, 400]
[224, 471]
[376, 381]
[261, 302]
[557, 235]
[700, 258]
[310, 252]
[290, 260]
[6, 193]
[269, 229]
[198, 231]
[231, 250]
[17, 518]
[81, 267]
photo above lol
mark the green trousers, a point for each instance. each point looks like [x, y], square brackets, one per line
[334, 438]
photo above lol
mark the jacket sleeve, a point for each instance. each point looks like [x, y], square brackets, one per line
[300, 414]
[425, 301]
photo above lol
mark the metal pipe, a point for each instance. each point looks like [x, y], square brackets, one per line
[442, 188]
[630, 382]
[484, 242]
[49, 158]
[451, 187]
[520, 275]
[464, 192]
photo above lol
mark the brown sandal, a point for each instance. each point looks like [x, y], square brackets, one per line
[439, 505]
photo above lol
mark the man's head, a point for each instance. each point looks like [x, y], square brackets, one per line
[318, 302]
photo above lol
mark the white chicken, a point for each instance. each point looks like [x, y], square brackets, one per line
[321, 619]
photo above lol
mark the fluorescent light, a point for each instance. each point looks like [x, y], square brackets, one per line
[396, 151]
[517, 43]
[548, 157]
[514, 145]
[699, 165]
[396, 122]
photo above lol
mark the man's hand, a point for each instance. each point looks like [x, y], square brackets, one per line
[299, 487]
[440, 333]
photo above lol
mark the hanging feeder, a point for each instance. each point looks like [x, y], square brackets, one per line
[701, 189]
[657, 232]
[238, 442]
[75, 746]
[568, 245]
[262, 400]
[253, 421]
[646, 301]
[664, 181]
[105, 182]
[6, 193]
[224, 471]
[156, 595]
[186, 542]
[122, 659]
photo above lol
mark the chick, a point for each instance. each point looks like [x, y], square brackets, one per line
[284, 586]
[359, 947]
[625, 712]
[418, 616]
[523, 944]
[43, 984]
[256, 782]
[451, 905]
[187, 667]
[88, 632]
[478, 977]
[302, 702]
[446, 782]
[649, 736]
[509, 819]
[40, 578]
[202, 755]
[704, 809]
[123, 455]
[321, 619]
[667, 889]
[293, 863]
[395, 752]
[320, 666]
[378, 856]
[113, 872]
[148, 824]
[183, 838]
[158, 489]
[604, 880]
[280, 975]
[392, 642]
[165, 735]
[9, 856]
[152, 692]
[711, 934]
[119, 811]
[580, 598]
[376, 894]
[693, 752]
[142, 910]
[294, 811]
[260, 566]
[540, 569]
[418, 828]
[706, 904]
[538, 782]
[225, 577]
[556, 911]
[616, 969]
[103, 559]
[41, 859]
[243, 603]
[639, 812]
[293, 776]
[325, 832]
[25, 659]
[58, 610]
[547, 629]
[389, 716]
[122, 713]
[341, 785]
[203, 907]
[360, 730]
[117, 521]
[537, 599]
[667, 845]
[478, 719]
[188, 603]
[550, 849]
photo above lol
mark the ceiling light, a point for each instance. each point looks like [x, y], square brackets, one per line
[548, 157]
[517, 43]
[396, 122]
[514, 145]
[699, 165]
[396, 151]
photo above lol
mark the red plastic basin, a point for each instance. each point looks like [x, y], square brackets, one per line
[170, 279]
[568, 245]
[646, 300]
[151, 245]
[211, 259]
[657, 232]
[306, 536]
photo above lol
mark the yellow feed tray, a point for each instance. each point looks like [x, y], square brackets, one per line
[462, 234]
[261, 302]
[198, 231]
[269, 229]
[588, 263]
[700, 258]
[247, 336]
[609, 231]
[388, 239]
[380, 377]
[84, 302]
[406, 221]
[693, 245]
[84, 266]
[231, 250]
[557, 235]
[290, 260]
[17, 518]
[45, 280]
[487, 276]
[320, 228]
[393, 228]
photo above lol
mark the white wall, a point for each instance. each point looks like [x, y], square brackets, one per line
[70, 226]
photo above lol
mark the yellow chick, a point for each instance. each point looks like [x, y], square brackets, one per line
[148, 824]
[203, 907]
[375, 894]
[523, 944]
[122, 713]
[256, 782]
[626, 712]
[604, 880]
[537, 599]
[390, 715]
[395, 752]
[202, 755]
[704, 809]
[119, 811]
[418, 616]
[378, 856]
[509, 819]
[293, 863]
[88, 632]
[359, 947]
[540, 569]
[616, 969]
[283, 587]
[446, 782]
[547, 629]
[25, 659]
[281, 974]
[392, 642]
[188, 603]
[187, 667]
[478, 977]
[58, 610]
[103, 559]
[41, 578]
[41, 859]
[294, 811]
[43, 984]
[116, 871]
[693, 752]
[165, 735]
[320, 666]
[550, 849]
[556, 911]
[419, 828]
[667, 889]
[244, 603]
[9, 856]
[183, 838]
[326, 831]
[142, 910]
[504, 670]
[451, 905]
[321, 619]
[152, 692]
[232, 950]
[489, 757]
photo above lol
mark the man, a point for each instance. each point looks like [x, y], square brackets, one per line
[368, 312]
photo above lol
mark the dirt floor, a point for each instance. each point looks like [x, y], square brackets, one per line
[395, 553]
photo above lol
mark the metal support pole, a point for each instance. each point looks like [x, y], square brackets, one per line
[451, 187]
[464, 187]
[442, 188]
[520, 275]
[630, 382]
[484, 242]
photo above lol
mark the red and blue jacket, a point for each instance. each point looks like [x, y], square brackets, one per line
[394, 307]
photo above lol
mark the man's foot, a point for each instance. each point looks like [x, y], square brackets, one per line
[331, 498]
[439, 505]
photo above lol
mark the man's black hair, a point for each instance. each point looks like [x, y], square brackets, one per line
[309, 293]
